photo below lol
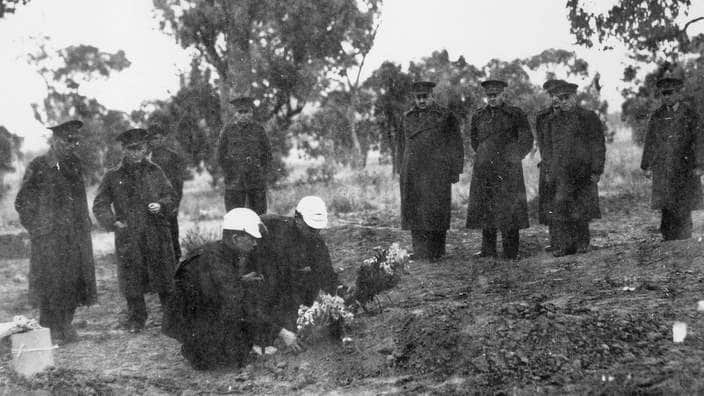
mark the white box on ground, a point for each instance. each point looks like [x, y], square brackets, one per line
[32, 351]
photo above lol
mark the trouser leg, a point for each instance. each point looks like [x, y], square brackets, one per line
[257, 201]
[436, 244]
[489, 241]
[551, 236]
[136, 310]
[674, 225]
[173, 226]
[510, 241]
[565, 236]
[420, 244]
[582, 235]
[48, 318]
[234, 199]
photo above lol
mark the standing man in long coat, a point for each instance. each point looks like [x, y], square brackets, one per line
[576, 148]
[545, 193]
[500, 135]
[244, 154]
[173, 165]
[53, 208]
[673, 156]
[135, 200]
[432, 157]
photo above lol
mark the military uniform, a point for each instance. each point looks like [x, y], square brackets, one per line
[144, 250]
[501, 137]
[52, 206]
[295, 266]
[545, 193]
[213, 313]
[576, 150]
[244, 154]
[674, 148]
[174, 168]
[432, 156]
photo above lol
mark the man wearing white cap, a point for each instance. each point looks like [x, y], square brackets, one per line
[295, 260]
[210, 312]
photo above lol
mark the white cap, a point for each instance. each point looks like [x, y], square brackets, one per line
[242, 219]
[313, 211]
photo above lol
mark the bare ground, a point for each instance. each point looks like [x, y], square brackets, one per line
[594, 323]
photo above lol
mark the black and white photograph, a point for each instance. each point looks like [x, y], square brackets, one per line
[351, 197]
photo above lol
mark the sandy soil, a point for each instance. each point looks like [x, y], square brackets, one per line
[600, 322]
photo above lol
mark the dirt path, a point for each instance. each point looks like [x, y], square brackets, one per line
[598, 322]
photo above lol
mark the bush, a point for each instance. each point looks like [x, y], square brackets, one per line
[197, 237]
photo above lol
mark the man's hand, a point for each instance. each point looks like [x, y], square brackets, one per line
[252, 277]
[648, 174]
[290, 339]
[119, 225]
[154, 207]
[595, 178]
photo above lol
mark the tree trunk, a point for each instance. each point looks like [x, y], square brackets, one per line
[357, 161]
[238, 58]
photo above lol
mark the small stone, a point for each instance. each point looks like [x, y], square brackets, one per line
[108, 378]
[281, 364]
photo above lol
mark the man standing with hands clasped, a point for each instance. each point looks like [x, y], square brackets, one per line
[431, 154]
[576, 150]
[500, 135]
[673, 156]
[136, 201]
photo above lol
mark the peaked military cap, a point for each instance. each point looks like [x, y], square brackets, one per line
[156, 130]
[564, 88]
[550, 85]
[669, 83]
[422, 86]
[67, 130]
[494, 86]
[132, 136]
[243, 101]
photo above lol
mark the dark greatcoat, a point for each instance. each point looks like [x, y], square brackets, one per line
[545, 193]
[52, 206]
[295, 266]
[174, 168]
[211, 311]
[576, 150]
[674, 147]
[144, 250]
[501, 137]
[244, 154]
[432, 156]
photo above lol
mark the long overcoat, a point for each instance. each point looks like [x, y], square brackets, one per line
[295, 265]
[501, 138]
[674, 147]
[545, 193]
[173, 165]
[244, 154]
[211, 311]
[431, 153]
[52, 206]
[144, 249]
[576, 147]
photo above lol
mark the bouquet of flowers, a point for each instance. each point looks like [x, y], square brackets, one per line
[327, 313]
[379, 273]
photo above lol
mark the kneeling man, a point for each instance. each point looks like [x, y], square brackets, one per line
[212, 312]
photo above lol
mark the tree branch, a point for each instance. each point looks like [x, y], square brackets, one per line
[686, 25]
